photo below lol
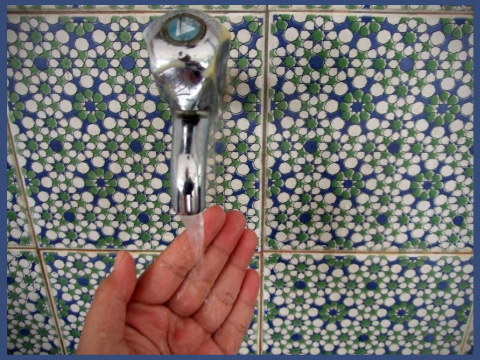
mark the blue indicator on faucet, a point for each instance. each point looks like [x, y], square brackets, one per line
[184, 28]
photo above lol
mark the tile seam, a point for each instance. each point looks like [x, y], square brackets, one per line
[362, 12]
[355, 253]
[289, 11]
[22, 185]
[20, 248]
[263, 160]
[257, 253]
[264, 163]
[51, 302]
[120, 13]
[103, 251]
[260, 305]
[466, 333]
[35, 246]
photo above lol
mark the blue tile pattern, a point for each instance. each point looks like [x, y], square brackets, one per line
[468, 347]
[370, 134]
[31, 328]
[96, 138]
[366, 8]
[366, 304]
[136, 7]
[17, 222]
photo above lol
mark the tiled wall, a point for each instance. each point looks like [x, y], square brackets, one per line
[346, 139]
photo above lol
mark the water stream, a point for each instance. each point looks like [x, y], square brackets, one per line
[196, 235]
[194, 227]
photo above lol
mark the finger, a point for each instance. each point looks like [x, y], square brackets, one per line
[163, 277]
[105, 323]
[224, 293]
[196, 287]
[232, 332]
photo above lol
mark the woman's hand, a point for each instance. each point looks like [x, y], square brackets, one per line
[178, 306]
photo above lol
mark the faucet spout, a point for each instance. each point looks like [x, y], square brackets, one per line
[188, 161]
[188, 53]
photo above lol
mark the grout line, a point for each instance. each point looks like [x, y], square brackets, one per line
[20, 248]
[99, 251]
[363, 12]
[466, 333]
[264, 252]
[259, 303]
[50, 300]
[264, 162]
[133, 12]
[110, 12]
[261, 307]
[265, 112]
[366, 252]
[102, 251]
[21, 183]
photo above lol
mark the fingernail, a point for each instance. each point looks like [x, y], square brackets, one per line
[118, 261]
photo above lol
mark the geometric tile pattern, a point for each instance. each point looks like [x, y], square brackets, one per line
[368, 169]
[31, 328]
[410, 8]
[74, 277]
[316, 304]
[137, 7]
[370, 134]
[95, 137]
[17, 222]
[468, 347]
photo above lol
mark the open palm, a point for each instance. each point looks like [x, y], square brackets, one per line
[179, 305]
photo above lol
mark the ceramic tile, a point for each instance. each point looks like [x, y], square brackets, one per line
[30, 325]
[370, 134]
[74, 277]
[96, 138]
[17, 222]
[411, 8]
[316, 304]
[468, 347]
[250, 344]
[138, 7]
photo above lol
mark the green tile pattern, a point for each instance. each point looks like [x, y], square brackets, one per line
[96, 137]
[366, 8]
[315, 304]
[136, 7]
[17, 222]
[31, 328]
[370, 135]
[468, 348]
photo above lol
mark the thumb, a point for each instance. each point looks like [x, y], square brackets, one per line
[105, 324]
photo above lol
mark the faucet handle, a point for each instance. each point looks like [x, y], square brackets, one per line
[188, 52]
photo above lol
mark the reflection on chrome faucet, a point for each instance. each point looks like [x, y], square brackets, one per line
[188, 53]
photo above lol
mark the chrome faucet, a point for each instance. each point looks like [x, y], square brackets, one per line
[188, 53]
